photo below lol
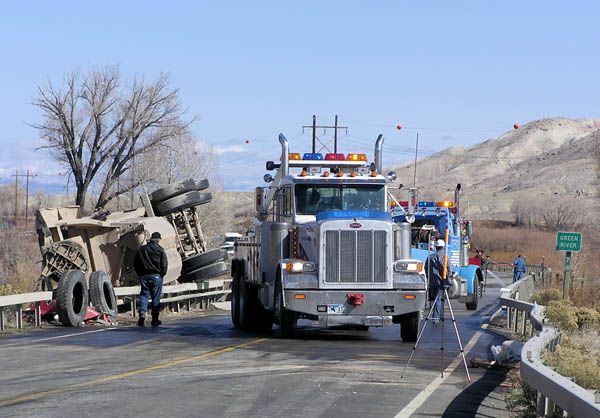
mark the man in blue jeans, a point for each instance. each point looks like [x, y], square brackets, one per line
[150, 265]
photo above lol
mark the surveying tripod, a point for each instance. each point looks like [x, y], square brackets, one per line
[442, 295]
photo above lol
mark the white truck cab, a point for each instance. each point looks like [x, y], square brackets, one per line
[326, 249]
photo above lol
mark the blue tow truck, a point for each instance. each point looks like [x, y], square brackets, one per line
[432, 220]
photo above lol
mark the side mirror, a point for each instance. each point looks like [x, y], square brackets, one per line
[470, 228]
[268, 178]
[391, 176]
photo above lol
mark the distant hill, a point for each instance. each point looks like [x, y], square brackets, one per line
[545, 159]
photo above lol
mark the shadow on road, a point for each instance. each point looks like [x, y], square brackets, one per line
[468, 402]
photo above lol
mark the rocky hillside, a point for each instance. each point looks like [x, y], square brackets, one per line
[542, 160]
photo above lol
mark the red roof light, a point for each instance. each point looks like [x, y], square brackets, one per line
[335, 157]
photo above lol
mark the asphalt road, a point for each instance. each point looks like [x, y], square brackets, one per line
[202, 367]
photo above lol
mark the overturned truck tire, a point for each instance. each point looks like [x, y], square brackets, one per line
[72, 298]
[182, 201]
[204, 273]
[102, 294]
[204, 259]
[176, 189]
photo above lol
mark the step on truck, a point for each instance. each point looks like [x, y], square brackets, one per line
[432, 220]
[325, 249]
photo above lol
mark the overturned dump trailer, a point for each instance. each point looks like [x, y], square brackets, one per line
[85, 257]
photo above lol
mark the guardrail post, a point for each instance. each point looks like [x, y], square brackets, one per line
[549, 408]
[37, 315]
[524, 323]
[1, 318]
[133, 306]
[19, 317]
[541, 405]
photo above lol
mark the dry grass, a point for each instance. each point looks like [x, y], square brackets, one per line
[578, 356]
[504, 242]
[19, 261]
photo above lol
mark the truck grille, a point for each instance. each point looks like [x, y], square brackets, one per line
[355, 256]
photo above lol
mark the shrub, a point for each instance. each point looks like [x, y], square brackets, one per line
[543, 297]
[577, 361]
[562, 314]
[587, 318]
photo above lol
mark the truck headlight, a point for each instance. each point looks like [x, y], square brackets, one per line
[300, 267]
[408, 266]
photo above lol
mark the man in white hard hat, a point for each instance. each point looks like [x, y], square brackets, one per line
[434, 268]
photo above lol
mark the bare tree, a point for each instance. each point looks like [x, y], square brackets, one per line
[96, 126]
[180, 159]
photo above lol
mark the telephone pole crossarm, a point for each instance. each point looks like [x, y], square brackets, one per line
[314, 128]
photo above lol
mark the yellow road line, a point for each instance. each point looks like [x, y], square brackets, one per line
[159, 366]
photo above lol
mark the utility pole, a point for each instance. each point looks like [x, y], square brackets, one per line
[16, 196]
[27, 176]
[314, 127]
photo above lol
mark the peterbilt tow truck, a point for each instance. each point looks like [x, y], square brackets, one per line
[326, 249]
[432, 220]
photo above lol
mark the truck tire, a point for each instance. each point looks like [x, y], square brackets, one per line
[409, 327]
[244, 311]
[287, 320]
[182, 201]
[204, 259]
[72, 298]
[471, 306]
[235, 299]
[102, 294]
[172, 190]
[204, 273]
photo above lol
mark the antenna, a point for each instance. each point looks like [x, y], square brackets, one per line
[416, 154]
[314, 127]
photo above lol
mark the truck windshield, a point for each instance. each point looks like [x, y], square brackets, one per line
[313, 198]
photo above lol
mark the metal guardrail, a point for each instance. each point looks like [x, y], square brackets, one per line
[552, 388]
[540, 270]
[198, 294]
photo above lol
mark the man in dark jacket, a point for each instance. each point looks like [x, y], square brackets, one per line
[434, 268]
[150, 265]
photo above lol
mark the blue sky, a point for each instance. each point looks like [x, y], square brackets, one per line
[455, 72]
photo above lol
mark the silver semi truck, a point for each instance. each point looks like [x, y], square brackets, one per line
[325, 248]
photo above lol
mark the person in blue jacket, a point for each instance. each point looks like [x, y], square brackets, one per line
[519, 268]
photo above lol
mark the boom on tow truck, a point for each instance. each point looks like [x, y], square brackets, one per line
[326, 249]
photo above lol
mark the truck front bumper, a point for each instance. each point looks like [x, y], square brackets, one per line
[378, 307]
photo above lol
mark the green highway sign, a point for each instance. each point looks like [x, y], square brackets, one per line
[568, 241]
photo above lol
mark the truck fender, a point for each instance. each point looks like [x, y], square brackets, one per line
[470, 274]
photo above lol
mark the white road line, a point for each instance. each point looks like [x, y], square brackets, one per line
[418, 400]
[25, 342]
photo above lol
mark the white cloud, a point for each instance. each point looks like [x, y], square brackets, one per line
[229, 149]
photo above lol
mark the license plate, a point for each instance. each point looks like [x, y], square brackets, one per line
[335, 309]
